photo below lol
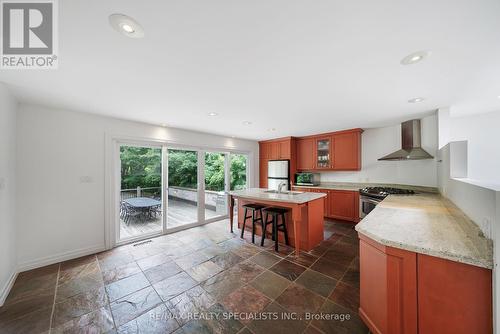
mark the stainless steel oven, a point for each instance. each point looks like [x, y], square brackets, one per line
[370, 197]
[366, 205]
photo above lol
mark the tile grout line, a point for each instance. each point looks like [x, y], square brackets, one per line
[105, 292]
[154, 289]
[55, 296]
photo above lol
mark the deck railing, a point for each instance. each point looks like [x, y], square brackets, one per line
[214, 200]
[153, 192]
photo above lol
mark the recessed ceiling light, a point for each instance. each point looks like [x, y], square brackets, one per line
[126, 25]
[416, 100]
[128, 28]
[247, 123]
[415, 57]
[212, 114]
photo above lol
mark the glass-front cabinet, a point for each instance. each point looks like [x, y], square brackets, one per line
[323, 152]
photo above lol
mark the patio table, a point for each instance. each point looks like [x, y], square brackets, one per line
[142, 202]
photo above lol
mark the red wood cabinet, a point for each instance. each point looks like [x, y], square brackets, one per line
[264, 151]
[263, 173]
[339, 204]
[453, 297]
[305, 154]
[323, 152]
[283, 148]
[343, 204]
[276, 149]
[402, 292]
[332, 151]
[347, 151]
[388, 288]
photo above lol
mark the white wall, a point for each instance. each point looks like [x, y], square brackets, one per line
[478, 193]
[481, 133]
[60, 217]
[381, 141]
[8, 261]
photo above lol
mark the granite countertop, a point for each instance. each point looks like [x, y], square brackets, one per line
[428, 224]
[259, 193]
[357, 186]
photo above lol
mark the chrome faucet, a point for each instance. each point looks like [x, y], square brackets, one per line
[280, 186]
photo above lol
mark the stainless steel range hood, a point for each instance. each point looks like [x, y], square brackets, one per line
[411, 142]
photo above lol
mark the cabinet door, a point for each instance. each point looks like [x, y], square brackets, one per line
[274, 150]
[326, 199]
[305, 154]
[453, 297]
[264, 150]
[347, 151]
[263, 173]
[342, 205]
[285, 149]
[388, 288]
[323, 152]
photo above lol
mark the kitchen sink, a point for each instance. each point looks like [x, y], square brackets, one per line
[286, 192]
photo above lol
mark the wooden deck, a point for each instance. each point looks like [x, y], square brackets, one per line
[179, 213]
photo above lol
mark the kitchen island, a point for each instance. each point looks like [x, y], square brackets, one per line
[304, 221]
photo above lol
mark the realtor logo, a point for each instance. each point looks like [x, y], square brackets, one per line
[29, 34]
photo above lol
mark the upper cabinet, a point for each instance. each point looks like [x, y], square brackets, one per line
[333, 151]
[323, 152]
[276, 149]
[347, 150]
[305, 156]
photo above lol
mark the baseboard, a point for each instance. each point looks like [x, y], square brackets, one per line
[48, 260]
[4, 292]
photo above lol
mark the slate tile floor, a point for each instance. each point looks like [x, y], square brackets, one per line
[154, 287]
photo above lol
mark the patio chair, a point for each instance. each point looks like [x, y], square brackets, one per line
[155, 210]
[131, 212]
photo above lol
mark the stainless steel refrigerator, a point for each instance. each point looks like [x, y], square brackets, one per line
[278, 172]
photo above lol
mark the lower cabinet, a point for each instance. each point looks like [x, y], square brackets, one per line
[388, 288]
[343, 204]
[453, 297]
[339, 204]
[406, 292]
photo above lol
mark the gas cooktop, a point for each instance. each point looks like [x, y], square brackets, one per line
[383, 192]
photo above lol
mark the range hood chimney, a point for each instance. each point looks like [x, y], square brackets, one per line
[411, 142]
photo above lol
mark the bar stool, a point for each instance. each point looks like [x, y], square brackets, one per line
[275, 213]
[254, 208]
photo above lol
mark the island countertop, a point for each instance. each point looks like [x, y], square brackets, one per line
[428, 224]
[262, 194]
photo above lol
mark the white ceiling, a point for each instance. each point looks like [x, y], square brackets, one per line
[301, 67]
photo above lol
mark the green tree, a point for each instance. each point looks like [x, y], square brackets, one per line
[182, 169]
[140, 167]
[238, 171]
[214, 171]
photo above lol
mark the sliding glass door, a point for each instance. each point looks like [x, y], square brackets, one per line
[215, 185]
[183, 195]
[164, 188]
[141, 209]
[238, 171]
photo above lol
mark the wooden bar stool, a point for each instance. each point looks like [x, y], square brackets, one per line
[254, 208]
[275, 213]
